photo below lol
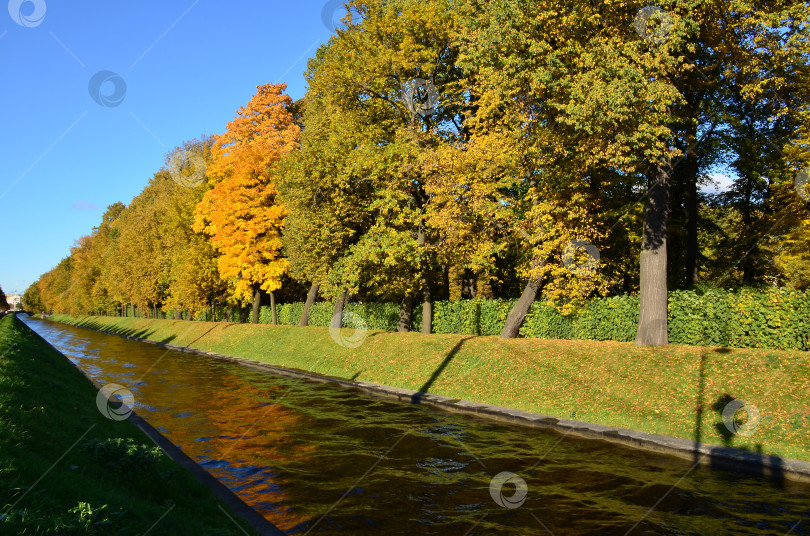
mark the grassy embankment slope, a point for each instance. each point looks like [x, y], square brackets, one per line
[66, 469]
[677, 391]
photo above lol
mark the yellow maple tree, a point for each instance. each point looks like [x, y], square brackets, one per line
[240, 212]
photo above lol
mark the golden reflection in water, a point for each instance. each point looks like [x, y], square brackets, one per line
[253, 435]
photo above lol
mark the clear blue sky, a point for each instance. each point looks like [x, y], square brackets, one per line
[187, 65]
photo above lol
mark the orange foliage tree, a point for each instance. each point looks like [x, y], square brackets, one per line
[240, 212]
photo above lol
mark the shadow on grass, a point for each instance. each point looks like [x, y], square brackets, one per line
[756, 462]
[417, 398]
[91, 323]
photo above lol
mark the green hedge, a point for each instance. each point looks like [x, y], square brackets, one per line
[773, 318]
[546, 322]
[608, 319]
[381, 316]
[473, 317]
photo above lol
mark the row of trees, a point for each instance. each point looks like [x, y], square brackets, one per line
[508, 148]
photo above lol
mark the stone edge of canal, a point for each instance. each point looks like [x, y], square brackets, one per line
[728, 458]
[262, 526]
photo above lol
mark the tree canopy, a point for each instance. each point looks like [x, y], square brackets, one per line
[555, 150]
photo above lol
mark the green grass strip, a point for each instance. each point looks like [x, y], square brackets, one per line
[67, 469]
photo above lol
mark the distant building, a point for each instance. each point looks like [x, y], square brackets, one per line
[14, 301]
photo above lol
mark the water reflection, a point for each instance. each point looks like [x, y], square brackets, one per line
[320, 458]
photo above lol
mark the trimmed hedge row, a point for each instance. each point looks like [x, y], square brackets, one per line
[381, 316]
[472, 317]
[602, 319]
[773, 318]
[778, 318]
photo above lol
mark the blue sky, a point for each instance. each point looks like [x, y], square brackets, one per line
[187, 66]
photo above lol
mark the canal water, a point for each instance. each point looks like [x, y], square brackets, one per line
[319, 458]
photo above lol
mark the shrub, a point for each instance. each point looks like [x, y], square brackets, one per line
[472, 317]
[773, 318]
[123, 456]
[381, 316]
[492, 317]
[608, 319]
[289, 314]
[545, 322]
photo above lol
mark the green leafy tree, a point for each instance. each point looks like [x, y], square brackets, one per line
[394, 72]
[316, 186]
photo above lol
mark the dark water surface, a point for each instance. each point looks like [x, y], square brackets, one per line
[319, 458]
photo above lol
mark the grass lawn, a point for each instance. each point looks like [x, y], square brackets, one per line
[66, 469]
[678, 391]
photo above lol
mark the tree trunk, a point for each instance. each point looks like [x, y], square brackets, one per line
[311, 296]
[427, 309]
[444, 283]
[337, 313]
[273, 309]
[514, 320]
[652, 323]
[427, 303]
[748, 236]
[257, 302]
[405, 314]
[469, 285]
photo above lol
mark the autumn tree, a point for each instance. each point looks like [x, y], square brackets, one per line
[316, 186]
[573, 85]
[32, 298]
[614, 85]
[240, 212]
[55, 284]
[748, 49]
[194, 281]
[395, 72]
[139, 261]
